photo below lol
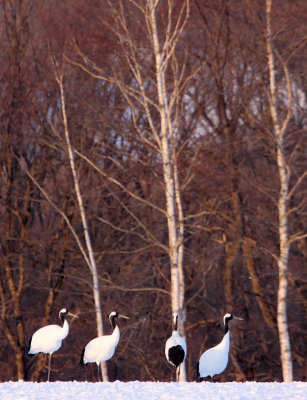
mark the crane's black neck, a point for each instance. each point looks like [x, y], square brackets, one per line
[227, 319]
[112, 320]
[176, 323]
[62, 318]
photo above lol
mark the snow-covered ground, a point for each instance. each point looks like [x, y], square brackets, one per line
[152, 391]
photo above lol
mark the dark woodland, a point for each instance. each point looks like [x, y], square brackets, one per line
[226, 160]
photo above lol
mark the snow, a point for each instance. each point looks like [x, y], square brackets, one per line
[152, 391]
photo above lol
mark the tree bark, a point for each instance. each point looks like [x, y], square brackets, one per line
[174, 211]
[284, 174]
[91, 256]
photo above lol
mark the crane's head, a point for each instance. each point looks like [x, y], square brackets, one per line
[229, 317]
[115, 314]
[65, 313]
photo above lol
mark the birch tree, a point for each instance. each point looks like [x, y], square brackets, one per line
[89, 257]
[87, 251]
[159, 97]
[280, 127]
[163, 53]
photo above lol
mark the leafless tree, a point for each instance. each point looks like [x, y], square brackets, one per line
[196, 72]
[280, 126]
[159, 101]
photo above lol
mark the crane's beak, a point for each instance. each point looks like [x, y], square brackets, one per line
[122, 316]
[72, 315]
[237, 318]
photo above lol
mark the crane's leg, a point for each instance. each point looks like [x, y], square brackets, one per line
[178, 375]
[49, 364]
[198, 377]
[98, 365]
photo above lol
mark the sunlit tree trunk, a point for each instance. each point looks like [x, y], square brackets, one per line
[91, 258]
[163, 34]
[284, 175]
[172, 191]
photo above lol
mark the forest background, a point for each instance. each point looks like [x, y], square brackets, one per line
[84, 184]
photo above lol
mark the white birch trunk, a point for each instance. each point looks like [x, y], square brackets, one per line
[284, 339]
[164, 49]
[183, 371]
[93, 266]
[284, 243]
[167, 167]
[172, 192]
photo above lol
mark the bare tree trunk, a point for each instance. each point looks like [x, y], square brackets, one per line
[163, 139]
[284, 174]
[92, 260]
[182, 310]
[172, 191]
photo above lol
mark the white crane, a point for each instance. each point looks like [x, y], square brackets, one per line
[103, 347]
[49, 338]
[214, 361]
[175, 348]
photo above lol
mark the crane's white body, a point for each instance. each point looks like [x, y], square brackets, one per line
[49, 338]
[101, 348]
[175, 348]
[215, 360]
[174, 341]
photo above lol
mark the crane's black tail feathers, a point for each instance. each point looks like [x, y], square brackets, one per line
[29, 348]
[197, 373]
[176, 355]
[82, 363]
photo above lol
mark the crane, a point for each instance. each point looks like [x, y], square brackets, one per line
[175, 347]
[49, 338]
[214, 360]
[102, 347]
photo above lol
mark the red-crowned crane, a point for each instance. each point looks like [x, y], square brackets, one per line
[102, 347]
[214, 361]
[175, 348]
[49, 338]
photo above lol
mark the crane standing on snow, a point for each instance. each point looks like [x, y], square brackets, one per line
[175, 348]
[103, 347]
[214, 361]
[49, 338]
